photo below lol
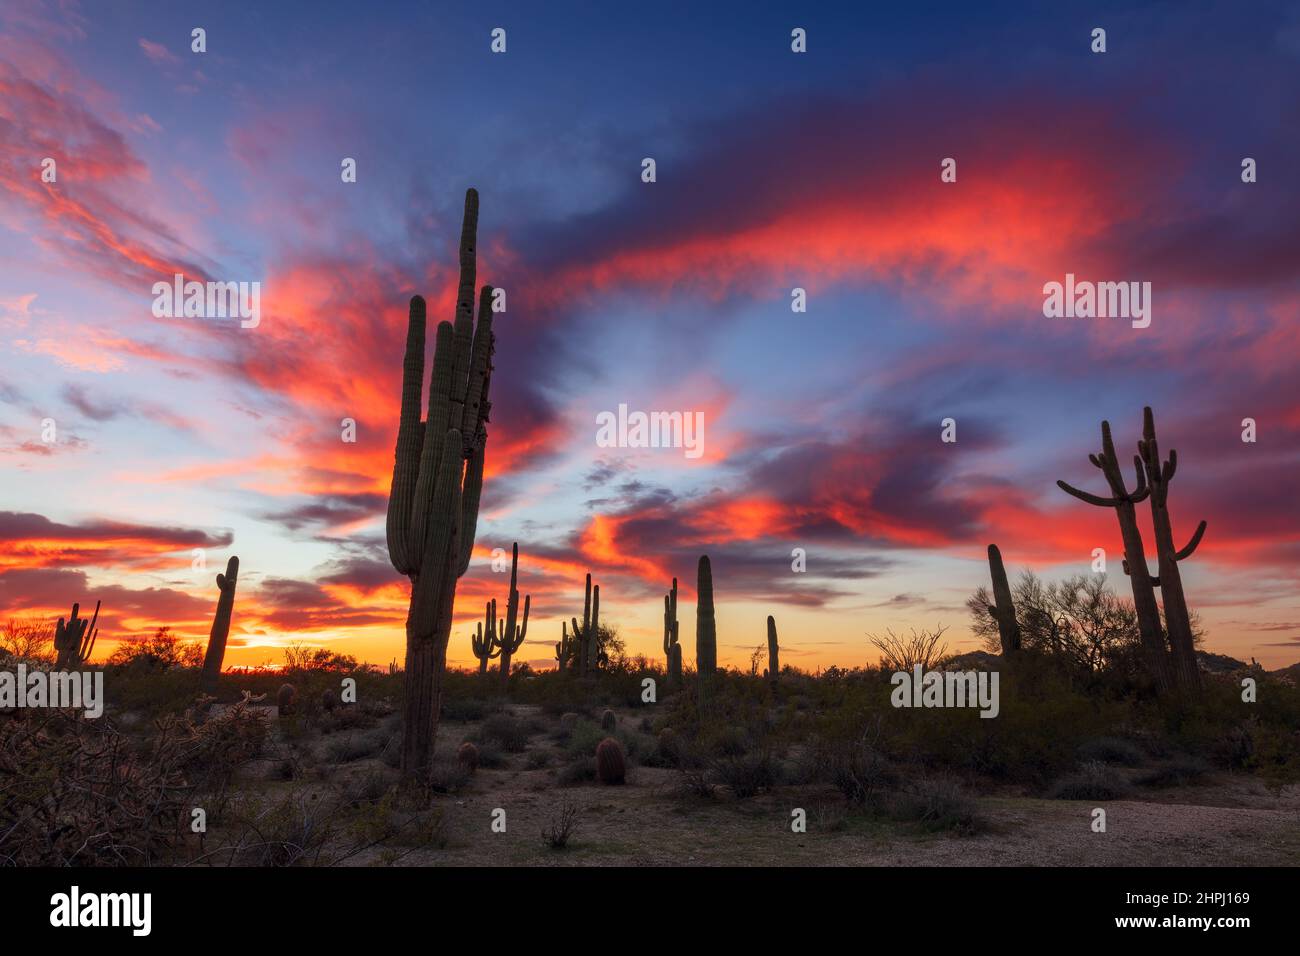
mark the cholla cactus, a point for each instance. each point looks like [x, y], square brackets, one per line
[484, 641]
[511, 636]
[220, 628]
[437, 482]
[672, 648]
[74, 639]
[588, 646]
[1005, 611]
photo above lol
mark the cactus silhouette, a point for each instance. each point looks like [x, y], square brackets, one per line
[220, 628]
[74, 639]
[706, 631]
[566, 649]
[1170, 582]
[1144, 596]
[511, 636]
[484, 642]
[672, 647]
[1005, 611]
[773, 651]
[437, 482]
[588, 647]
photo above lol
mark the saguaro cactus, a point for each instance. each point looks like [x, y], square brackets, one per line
[511, 637]
[74, 639]
[706, 633]
[1144, 596]
[672, 648]
[220, 632]
[1004, 612]
[437, 481]
[773, 651]
[1177, 620]
[484, 642]
[586, 636]
[566, 650]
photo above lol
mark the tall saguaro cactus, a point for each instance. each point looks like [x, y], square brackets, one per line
[706, 632]
[586, 636]
[773, 652]
[484, 642]
[1177, 619]
[74, 639]
[512, 635]
[220, 632]
[1144, 596]
[672, 647]
[566, 649]
[1004, 611]
[437, 482]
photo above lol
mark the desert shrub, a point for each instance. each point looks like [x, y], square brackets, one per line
[1093, 780]
[937, 803]
[350, 747]
[561, 826]
[1113, 750]
[579, 769]
[1179, 772]
[466, 709]
[747, 774]
[448, 776]
[537, 759]
[76, 792]
[161, 651]
[490, 757]
[507, 731]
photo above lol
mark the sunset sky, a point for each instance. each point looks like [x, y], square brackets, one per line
[775, 170]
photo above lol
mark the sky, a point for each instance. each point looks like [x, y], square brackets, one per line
[178, 442]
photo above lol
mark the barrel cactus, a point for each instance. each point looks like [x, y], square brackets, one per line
[611, 767]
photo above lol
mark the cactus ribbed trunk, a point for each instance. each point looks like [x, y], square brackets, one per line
[1182, 643]
[588, 648]
[773, 651]
[672, 648]
[437, 483]
[1004, 611]
[512, 637]
[220, 632]
[74, 639]
[1144, 597]
[706, 635]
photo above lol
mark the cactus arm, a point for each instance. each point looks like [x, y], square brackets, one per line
[1088, 497]
[410, 440]
[1188, 550]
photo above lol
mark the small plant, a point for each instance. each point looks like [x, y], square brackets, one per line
[563, 823]
[611, 767]
[608, 721]
[467, 756]
[1176, 773]
[938, 803]
[1113, 750]
[1093, 780]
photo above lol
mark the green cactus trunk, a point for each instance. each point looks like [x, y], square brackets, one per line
[773, 651]
[672, 649]
[1144, 596]
[512, 637]
[706, 635]
[74, 639]
[437, 483]
[1182, 644]
[220, 632]
[1004, 612]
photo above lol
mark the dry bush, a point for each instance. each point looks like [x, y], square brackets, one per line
[898, 653]
[562, 825]
[77, 792]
